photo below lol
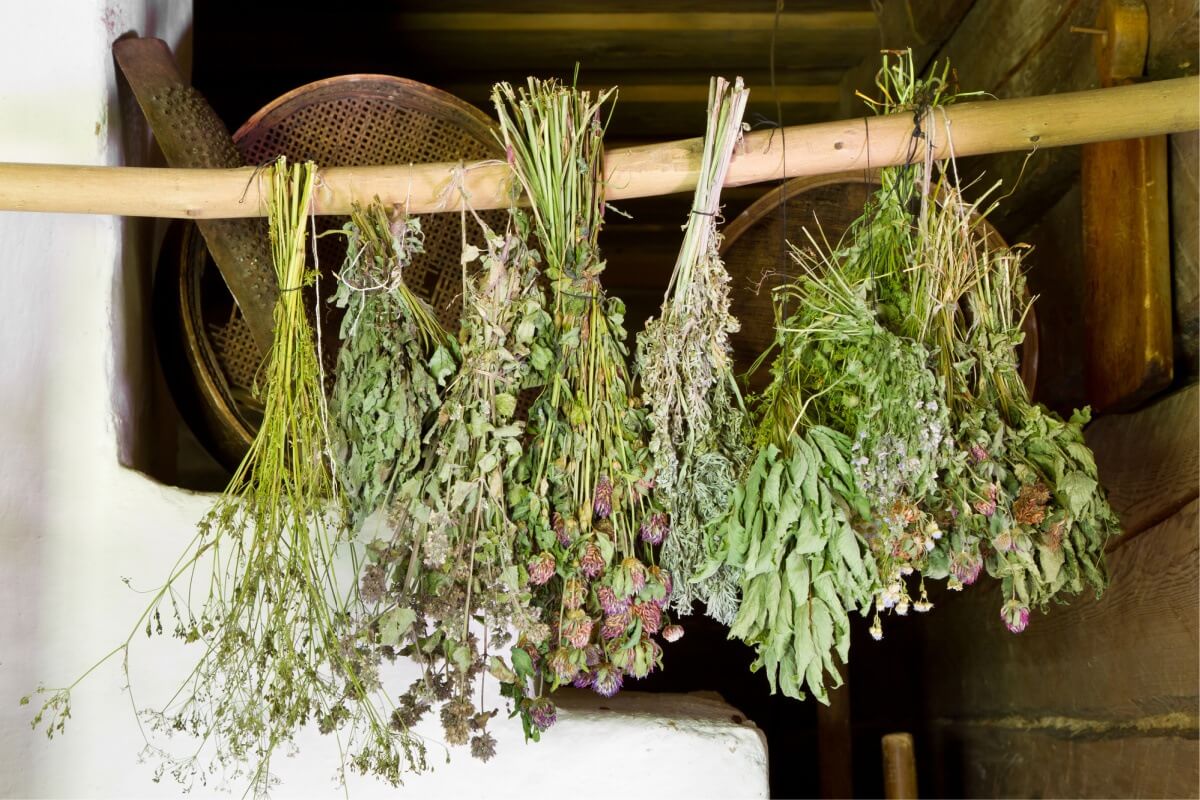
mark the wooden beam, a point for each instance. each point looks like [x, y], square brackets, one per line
[969, 128]
[840, 21]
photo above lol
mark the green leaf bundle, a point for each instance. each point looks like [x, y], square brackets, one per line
[393, 361]
[446, 587]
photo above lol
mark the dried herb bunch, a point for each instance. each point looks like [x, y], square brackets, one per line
[445, 587]
[277, 650]
[583, 494]
[1020, 495]
[395, 356]
[700, 432]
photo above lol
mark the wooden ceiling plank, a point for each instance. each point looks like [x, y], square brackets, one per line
[640, 21]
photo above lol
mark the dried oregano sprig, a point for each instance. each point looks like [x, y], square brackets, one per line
[445, 588]
[583, 494]
[394, 358]
[276, 645]
[700, 432]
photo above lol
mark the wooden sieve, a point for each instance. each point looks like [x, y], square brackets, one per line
[757, 259]
[354, 120]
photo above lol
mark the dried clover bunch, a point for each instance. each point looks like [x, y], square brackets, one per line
[395, 356]
[583, 490]
[277, 650]
[700, 432]
[1020, 495]
[446, 588]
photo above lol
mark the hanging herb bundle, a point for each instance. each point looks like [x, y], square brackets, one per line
[1021, 495]
[393, 359]
[277, 650]
[793, 530]
[583, 495]
[446, 589]
[699, 439]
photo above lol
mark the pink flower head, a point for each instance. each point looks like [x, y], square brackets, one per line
[610, 602]
[592, 561]
[562, 665]
[607, 681]
[650, 614]
[574, 593]
[577, 628]
[583, 680]
[541, 568]
[662, 577]
[559, 524]
[542, 713]
[978, 454]
[633, 577]
[655, 528]
[602, 497]
[614, 626]
[966, 568]
[673, 633]
[1015, 616]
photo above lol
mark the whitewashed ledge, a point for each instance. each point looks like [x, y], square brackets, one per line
[633, 745]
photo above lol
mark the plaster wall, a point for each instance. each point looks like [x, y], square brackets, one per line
[74, 522]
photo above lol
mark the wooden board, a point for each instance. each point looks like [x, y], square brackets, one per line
[1055, 274]
[1003, 762]
[1128, 347]
[1185, 250]
[1150, 460]
[1110, 684]
[1174, 38]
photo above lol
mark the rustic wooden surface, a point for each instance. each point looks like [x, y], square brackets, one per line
[1174, 38]
[1129, 348]
[1055, 274]
[1029, 50]
[1101, 697]
[899, 767]
[1097, 699]
[1150, 460]
[1185, 249]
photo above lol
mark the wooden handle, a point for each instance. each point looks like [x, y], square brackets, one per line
[191, 135]
[899, 767]
[1122, 112]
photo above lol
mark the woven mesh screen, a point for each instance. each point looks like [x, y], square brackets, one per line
[365, 120]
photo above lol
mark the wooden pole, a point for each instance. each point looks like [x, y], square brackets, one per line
[899, 767]
[1123, 112]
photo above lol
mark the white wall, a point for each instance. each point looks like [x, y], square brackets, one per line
[73, 375]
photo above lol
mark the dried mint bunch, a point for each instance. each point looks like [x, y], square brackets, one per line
[393, 361]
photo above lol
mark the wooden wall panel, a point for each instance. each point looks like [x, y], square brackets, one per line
[1150, 460]
[1098, 699]
[1185, 250]
[1101, 697]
